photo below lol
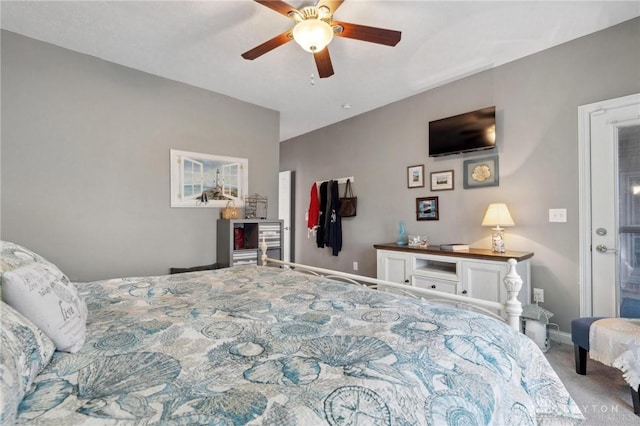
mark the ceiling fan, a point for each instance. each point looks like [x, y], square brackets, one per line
[314, 30]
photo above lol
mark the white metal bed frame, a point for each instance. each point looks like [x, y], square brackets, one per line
[511, 309]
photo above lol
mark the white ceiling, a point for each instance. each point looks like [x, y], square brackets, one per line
[200, 42]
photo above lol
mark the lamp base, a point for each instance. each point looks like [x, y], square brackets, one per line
[497, 240]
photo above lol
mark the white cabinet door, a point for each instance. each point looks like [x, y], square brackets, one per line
[394, 266]
[484, 280]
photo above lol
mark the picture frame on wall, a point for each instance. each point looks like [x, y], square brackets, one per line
[481, 172]
[415, 176]
[206, 180]
[442, 181]
[427, 208]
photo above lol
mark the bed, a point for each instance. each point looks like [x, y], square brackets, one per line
[265, 345]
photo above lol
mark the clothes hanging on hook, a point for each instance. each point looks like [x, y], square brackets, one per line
[322, 214]
[327, 212]
[314, 208]
[333, 236]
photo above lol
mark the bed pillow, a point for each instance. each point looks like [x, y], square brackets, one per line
[13, 256]
[193, 269]
[44, 295]
[24, 351]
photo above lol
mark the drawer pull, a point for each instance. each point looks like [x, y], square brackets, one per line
[464, 291]
[406, 281]
[433, 286]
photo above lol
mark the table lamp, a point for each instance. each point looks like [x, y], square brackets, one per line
[497, 215]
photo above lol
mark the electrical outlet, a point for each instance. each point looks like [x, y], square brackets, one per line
[355, 266]
[538, 295]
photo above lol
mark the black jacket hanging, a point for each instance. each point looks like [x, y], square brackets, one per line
[327, 212]
[321, 221]
[335, 221]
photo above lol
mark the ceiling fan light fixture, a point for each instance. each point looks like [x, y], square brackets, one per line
[313, 35]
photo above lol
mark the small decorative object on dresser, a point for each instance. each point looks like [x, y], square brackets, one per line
[481, 172]
[421, 241]
[402, 234]
[415, 176]
[454, 247]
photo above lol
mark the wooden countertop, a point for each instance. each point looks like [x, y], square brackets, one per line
[472, 253]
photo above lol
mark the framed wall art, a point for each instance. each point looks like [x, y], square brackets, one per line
[427, 208]
[205, 180]
[481, 172]
[442, 181]
[415, 176]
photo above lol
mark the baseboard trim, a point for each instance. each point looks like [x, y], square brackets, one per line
[560, 337]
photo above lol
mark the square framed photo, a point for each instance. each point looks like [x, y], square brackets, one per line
[442, 181]
[481, 172]
[415, 176]
[427, 208]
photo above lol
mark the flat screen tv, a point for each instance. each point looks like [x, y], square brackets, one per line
[471, 131]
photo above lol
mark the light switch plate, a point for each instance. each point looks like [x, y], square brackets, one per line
[557, 215]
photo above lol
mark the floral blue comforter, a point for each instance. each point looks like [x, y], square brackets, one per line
[266, 346]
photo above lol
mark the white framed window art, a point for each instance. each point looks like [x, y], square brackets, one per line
[205, 180]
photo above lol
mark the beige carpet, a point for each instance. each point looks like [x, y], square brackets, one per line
[602, 395]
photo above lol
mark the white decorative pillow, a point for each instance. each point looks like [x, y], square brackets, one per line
[13, 256]
[43, 294]
[24, 351]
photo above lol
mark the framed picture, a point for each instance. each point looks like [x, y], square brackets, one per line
[415, 176]
[442, 181]
[427, 208]
[205, 180]
[481, 172]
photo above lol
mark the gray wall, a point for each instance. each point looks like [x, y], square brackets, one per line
[536, 99]
[85, 161]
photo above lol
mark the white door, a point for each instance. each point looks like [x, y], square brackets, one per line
[285, 211]
[610, 258]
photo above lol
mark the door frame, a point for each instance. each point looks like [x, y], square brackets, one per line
[286, 212]
[585, 112]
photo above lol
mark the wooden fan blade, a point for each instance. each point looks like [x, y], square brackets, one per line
[323, 63]
[333, 5]
[370, 34]
[277, 5]
[268, 46]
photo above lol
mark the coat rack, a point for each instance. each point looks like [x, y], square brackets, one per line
[340, 181]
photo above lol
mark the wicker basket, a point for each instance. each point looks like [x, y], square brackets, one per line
[231, 211]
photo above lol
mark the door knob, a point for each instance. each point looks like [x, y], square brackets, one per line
[603, 249]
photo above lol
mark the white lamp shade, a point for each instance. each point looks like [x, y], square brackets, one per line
[497, 215]
[313, 35]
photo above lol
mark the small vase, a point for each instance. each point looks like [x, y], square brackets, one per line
[402, 237]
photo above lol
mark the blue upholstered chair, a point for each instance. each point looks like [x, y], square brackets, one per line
[580, 336]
